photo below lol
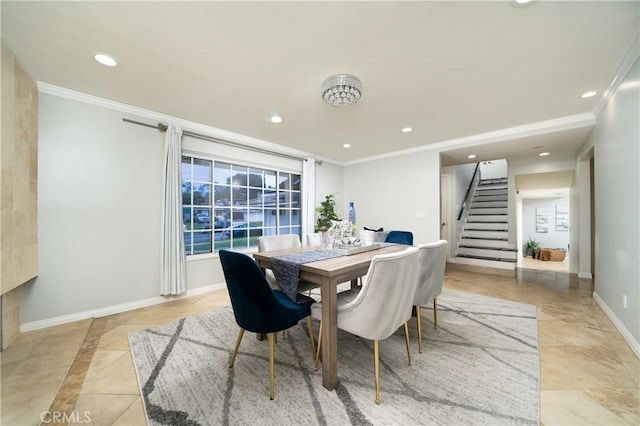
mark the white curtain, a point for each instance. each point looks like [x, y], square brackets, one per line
[173, 274]
[308, 196]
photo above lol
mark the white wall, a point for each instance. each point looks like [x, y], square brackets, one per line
[616, 141]
[553, 238]
[460, 179]
[330, 180]
[390, 193]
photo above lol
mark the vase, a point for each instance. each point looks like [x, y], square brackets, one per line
[352, 213]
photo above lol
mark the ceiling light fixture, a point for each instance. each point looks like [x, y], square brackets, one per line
[276, 119]
[105, 59]
[406, 129]
[543, 154]
[588, 94]
[341, 90]
[346, 145]
[471, 156]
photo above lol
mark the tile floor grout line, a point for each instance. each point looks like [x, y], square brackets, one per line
[66, 398]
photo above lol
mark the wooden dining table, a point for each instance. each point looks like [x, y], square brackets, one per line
[328, 274]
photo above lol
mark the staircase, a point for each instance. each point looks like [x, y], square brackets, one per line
[485, 234]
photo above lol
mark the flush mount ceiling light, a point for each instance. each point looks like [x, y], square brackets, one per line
[543, 154]
[588, 94]
[406, 129]
[471, 156]
[105, 59]
[276, 119]
[346, 145]
[341, 90]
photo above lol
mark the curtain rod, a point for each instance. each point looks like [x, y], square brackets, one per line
[163, 128]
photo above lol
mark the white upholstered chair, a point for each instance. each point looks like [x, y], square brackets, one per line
[432, 259]
[282, 242]
[314, 239]
[383, 303]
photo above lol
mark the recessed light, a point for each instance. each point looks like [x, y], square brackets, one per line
[346, 145]
[522, 1]
[105, 59]
[471, 156]
[588, 94]
[543, 154]
[276, 119]
[406, 129]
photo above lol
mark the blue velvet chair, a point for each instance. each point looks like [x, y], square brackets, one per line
[258, 308]
[400, 237]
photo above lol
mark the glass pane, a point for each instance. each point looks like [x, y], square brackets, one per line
[295, 182]
[222, 195]
[187, 243]
[269, 179]
[186, 193]
[222, 173]
[296, 230]
[283, 181]
[239, 196]
[255, 197]
[285, 199]
[255, 218]
[295, 217]
[201, 218]
[239, 175]
[186, 168]
[269, 231]
[269, 198]
[270, 217]
[285, 230]
[295, 199]
[239, 216]
[186, 218]
[222, 219]
[202, 242]
[285, 218]
[255, 178]
[202, 170]
[202, 194]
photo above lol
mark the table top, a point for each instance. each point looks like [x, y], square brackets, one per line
[333, 267]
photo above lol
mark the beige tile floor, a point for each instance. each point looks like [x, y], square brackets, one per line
[588, 373]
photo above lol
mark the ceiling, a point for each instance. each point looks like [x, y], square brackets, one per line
[458, 73]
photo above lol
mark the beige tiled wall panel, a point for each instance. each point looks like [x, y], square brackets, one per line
[18, 188]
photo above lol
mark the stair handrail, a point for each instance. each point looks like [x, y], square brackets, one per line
[464, 202]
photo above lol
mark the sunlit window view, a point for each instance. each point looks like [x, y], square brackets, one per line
[228, 205]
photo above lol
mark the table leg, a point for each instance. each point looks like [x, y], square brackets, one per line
[329, 334]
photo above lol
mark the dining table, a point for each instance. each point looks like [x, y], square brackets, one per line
[328, 273]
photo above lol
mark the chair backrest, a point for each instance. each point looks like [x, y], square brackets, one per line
[314, 239]
[385, 301]
[278, 242]
[432, 259]
[253, 301]
[400, 237]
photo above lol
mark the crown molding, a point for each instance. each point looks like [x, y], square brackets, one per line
[192, 126]
[532, 129]
[621, 72]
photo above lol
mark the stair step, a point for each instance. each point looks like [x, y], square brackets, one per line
[489, 203]
[491, 191]
[486, 249]
[497, 259]
[486, 226]
[489, 235]
[493, 181]
[498, 218]
[482, 197]
[480, 242]
[488, 210]
[488, 252]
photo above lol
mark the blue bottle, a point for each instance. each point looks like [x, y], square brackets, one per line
[352, 213]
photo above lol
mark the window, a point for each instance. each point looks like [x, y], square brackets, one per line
[227, 205]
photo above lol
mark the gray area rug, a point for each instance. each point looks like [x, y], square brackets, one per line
[480, 366]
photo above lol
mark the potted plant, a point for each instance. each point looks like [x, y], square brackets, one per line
[530, 247]
[326, 213]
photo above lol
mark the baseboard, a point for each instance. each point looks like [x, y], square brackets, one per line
[585, 275]
[635, 346]
[116, 309]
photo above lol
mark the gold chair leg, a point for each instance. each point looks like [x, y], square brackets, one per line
[235, 351]
[318, 349]
[313, 343]
[419, 323]
[435, 313]
[376, 369]
[272, 364]
[406, 339]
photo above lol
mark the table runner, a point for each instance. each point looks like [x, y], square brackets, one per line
[286, 269]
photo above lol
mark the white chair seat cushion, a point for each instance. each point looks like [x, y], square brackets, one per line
[344, 297]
